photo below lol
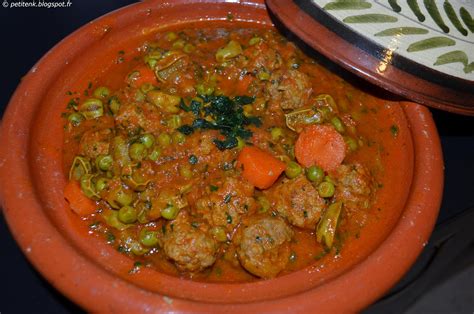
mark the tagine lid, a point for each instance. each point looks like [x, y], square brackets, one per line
[420, 50]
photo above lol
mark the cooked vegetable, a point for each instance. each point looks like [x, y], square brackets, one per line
[326, 229]
[79, 203]
[141, 75]
[320, 145]
[92, 108]
[259, 167]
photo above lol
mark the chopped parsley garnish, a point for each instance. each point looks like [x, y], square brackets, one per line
[227, 198]
[223, 114]
[229, 218]
[394, 130]
[213, 188]
[193, 159]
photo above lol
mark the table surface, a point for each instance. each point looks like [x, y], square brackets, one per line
[28, 33]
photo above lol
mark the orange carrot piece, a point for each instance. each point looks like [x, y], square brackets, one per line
[320, 145]
[259, 167]
[80, 204]
[146, 75]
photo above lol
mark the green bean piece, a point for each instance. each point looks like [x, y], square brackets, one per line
[137, 151]
[185, 171]
[255, 40]
[219, 233]
[101, 184]
[178, 137]
[148, 140]
[432, 9]
[148, 237]
[293, 169]
[170, 212]
[104, 162]
[155, 154]
[326, 189]
[351, 143]
[264, 204]
[326, 229]
[75, 118]
[451, 13]
[315, 174]
[114, 105]
[80, 166]
[231, 50]
[101, 92]
[338, 125]
[92, 108]
[174, 121]
[276, 133]
[88, 186]
[127, 214]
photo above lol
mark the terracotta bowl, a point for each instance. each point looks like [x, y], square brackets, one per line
[95, 276]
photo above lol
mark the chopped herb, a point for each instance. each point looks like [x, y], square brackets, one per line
[110, 238]
[193, 159]
[223, 114]
[94, 225]
[136, 267]
[257, 238]
[227, 198]
[213, 188]
[121, 52]
[72, 104]
[163, 229]
[218, 271]
[230, 16]
[394, 130]
[195, 224]
[229, 218]
[305, 214]
[121, 249]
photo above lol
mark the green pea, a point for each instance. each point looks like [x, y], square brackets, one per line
[188, 48]
[137, 151]
[139, 96]
[293, 169]
[127, 214]
[114, 105]
[326, 189]
[219, 233]
[276, 133]
[155, 154]
[148, 140]
[164, 139]
[92, 108]
[75, 118]
[104, 162]
[169, 212]
[148, 237]
[178, 138]
[179, 44]
[171, 36]
[185, 171]
[315, 174]
[338, 125]
[102, 92]
[123, 197]
[101, 184]
[264, 204]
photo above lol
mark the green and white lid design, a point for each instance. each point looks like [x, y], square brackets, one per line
[437, 34]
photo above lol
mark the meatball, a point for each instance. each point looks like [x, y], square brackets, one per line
[289, 89]
[225, 206]
[353, 186]
[135, 116]
[95, 143]
[190, 247]
[298, 201]
[263, 245]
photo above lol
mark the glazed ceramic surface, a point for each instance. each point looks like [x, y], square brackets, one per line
[96, 276]
[423, 50]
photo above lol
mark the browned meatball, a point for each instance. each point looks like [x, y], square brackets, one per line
[190, 247]
[95, 143]
[353, 186]
[289, 89]
[263, 245]
[225, 206]
[298, 201]
[139, 116]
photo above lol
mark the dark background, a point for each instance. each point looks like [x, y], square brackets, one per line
[28, 33]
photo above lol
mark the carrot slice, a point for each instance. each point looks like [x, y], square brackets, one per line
[142, 75]
[259, 167]
[80, 204]
[320, 145]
